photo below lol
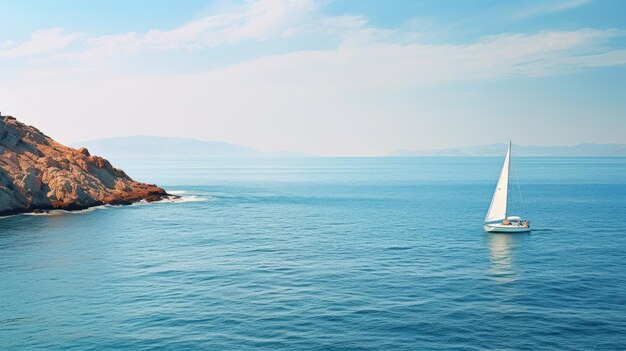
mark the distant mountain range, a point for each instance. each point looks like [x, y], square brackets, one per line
[152, 147]
[580, 150]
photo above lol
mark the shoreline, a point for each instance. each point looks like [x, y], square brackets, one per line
[43, 210]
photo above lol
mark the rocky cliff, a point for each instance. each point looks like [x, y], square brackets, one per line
[37, 173]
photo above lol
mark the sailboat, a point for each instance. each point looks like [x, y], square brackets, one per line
[497, 219]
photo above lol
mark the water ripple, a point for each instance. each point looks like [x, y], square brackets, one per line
[326, 257]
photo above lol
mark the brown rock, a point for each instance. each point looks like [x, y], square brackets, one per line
[83, 151]
[37, 174]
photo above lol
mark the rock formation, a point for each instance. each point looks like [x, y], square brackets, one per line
[37, 173]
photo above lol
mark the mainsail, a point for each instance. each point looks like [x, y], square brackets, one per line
[497, 209]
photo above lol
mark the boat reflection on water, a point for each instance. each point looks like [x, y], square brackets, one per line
[501, 251]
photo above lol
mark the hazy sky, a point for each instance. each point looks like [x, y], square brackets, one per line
[343, 77]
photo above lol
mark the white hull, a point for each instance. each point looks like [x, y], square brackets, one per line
[501, 228]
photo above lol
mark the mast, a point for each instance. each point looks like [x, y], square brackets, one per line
[508, 178]
[498, 207]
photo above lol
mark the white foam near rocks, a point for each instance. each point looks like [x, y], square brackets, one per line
[177, 192]
[64, 212]
[179, 197]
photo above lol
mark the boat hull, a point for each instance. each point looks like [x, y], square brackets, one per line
[501, 228]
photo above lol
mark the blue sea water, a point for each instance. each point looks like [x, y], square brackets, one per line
[326, 254]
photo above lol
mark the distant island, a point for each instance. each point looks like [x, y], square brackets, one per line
[580, 150]
[38, 174]
[155, 146]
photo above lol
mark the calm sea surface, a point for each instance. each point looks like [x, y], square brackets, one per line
[326, 254]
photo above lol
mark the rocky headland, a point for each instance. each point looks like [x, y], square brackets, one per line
[38, 174]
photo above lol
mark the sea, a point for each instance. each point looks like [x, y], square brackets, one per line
[326, 254]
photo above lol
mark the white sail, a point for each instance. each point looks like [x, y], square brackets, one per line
[497, 209]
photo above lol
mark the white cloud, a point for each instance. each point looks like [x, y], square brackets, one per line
[6, 44]
[258, 20]
[372, 65]
[268, 18]
[394, 66]
[40, 42]
[550, 7]
[274, 19]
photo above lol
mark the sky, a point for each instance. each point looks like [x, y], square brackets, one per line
[328, 77]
